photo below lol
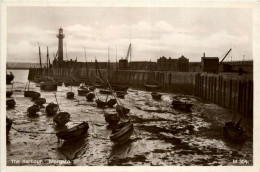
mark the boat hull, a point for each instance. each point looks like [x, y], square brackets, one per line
[9, 93]
[74, 132]
[48, 86]
[61, 118]
[123, 135]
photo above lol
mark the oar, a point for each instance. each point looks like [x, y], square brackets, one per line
[57, 101]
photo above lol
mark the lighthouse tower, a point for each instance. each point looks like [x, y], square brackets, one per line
[60, 36]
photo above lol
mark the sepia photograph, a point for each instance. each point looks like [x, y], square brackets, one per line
[127, 85]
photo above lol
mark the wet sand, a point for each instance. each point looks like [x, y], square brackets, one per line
[162, 136]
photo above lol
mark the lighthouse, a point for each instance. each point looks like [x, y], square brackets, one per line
[60, 36]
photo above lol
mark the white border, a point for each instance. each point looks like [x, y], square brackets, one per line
[255, 6]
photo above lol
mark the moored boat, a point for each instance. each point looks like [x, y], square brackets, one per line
[10, 103]
[100, 103]
[156, 96]
[111, 117]
[40, 101]
[233, 131]
[121, 94]
[90, 96]
[111, 102]
[70, 95]
[122, 132]
[121, 110]
[83, 91]
[9, 78]
[73, 132]
[9, 123]
[29, 93]
[35, 96]
[105, 91]
[9, 93]
[52, 109]
[118, 87]
[32, 110]
[152, 87]
[91, 88]
[182, 105]
[61, 118]
[49, 86]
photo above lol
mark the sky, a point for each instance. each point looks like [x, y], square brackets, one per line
[106, 32]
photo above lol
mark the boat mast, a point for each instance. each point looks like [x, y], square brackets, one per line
[47, 61]
[40, 58]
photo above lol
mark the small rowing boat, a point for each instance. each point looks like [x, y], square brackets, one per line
[73, 132]
[121, 110]
[156, 96]
[61, 118]
[182, 105]
[35, 96]
[90, 96]
[111, 102]
[122, 132]
[40, 101]
[52, 109]
[100, 103]
[70, 95]
[32, 110]
[105, 91]
[111, 118]
[10, 103]
[9, 93]
[121, 94]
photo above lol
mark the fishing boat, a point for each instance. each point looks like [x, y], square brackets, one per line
[105, 91]
[32, 110]
[156, 96]
[9, 93]
[71, 83]
[10, 103]
[35, 96]
[111, 102]
[121, 94]
[9, 78]
[52, 109]
[73, 132]
[233, 131]
[9, 123]
[182, 105]
[91, 88]
[61, 118]
[111, 117]
[149, 86]
[119, 87]
[40, 101]
[121, 110]
[100, 103]
[83, 91]
[70, 95]
[90, 96]
[29, 93]
[49, 86]
[122, 132]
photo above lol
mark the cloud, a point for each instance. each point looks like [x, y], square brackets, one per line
[151, 38]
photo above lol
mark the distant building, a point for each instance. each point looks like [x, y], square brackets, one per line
[209, 64]
[181, 64]
[123, 64]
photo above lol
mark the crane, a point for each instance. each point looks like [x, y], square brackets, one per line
[129, 52]
[225, 55]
